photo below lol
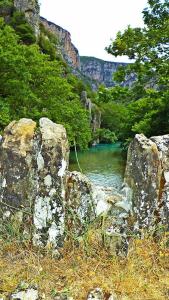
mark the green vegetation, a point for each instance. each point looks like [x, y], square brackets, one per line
[22, 28]
[5, 4]
[85, 263]
[143, 108]
[32, 86]
[36, 82]
[48, 42]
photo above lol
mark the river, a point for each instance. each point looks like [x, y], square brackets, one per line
[104, 164]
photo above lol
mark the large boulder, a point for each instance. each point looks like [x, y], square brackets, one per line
[80, 203]
[147, 179]
[33, 166]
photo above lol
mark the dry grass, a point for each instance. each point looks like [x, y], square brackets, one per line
[143, 275]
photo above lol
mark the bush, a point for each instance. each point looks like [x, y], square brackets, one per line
[22, 28]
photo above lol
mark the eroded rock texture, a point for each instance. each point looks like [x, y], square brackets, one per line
[36, 190]
[80, 203]
[147, 177]
[31, 10]
[101, 72]
[94, 114]
[67, 49]
[33, 168]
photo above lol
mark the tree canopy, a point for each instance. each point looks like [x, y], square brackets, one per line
[32, 86]
[148, 110]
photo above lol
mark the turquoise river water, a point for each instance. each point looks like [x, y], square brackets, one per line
[104, 164]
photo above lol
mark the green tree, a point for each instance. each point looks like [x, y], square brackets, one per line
[31, 85]
[22, 28]
[149, 47]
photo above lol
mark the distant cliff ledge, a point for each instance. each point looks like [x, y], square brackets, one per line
[101, 71]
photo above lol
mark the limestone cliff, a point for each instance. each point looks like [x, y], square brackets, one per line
[94, 114]
[67, 49]
[31, 10]
[100, 71]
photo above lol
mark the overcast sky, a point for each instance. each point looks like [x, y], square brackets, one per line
[92, 23]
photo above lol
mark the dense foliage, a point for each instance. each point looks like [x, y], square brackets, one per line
[35, 82]
[32, 86]
[144, 107]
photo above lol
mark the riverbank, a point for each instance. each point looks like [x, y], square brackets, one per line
[103, 164]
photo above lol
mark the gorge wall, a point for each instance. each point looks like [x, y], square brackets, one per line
[31, 9]
[92, 70]
[100, 71]
[65, 46]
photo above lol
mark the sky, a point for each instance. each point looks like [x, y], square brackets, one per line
[93, 23]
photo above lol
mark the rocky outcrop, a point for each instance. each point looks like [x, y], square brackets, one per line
[101, 72]
[67, 49]
[36, 189]
[31, 10]
[6, 10]
[33, 168]
[147, 177]
[94, 113]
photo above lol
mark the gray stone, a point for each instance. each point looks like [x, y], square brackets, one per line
[65, 47]
[31, 10]
[80, 204]
[146, 177]
[33, 167]
[94, 114]
[29, 294]
[96, 294]
[101, 72]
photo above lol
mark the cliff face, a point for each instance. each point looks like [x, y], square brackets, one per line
[67, 49]
[31, 10]
[94, 70]
[101, 71]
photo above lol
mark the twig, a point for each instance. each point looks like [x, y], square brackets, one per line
[16, 208]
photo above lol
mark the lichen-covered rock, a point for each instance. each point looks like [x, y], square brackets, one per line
[33, 168]
[31, 10]
[80, 204]
[25, 292]
[99, 294]
[96, 294]
[52, 163]
[29, 294]
[147, 178]
[16, 172]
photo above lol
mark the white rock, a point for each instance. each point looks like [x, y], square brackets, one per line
[30, 294]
